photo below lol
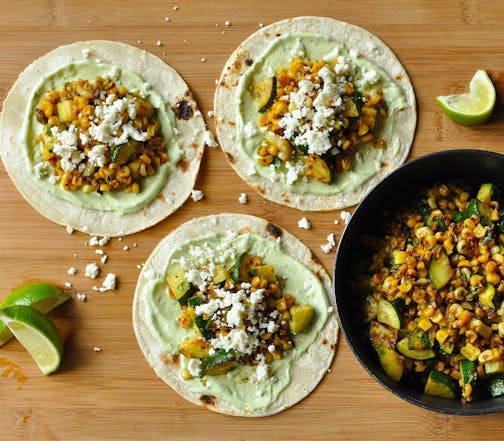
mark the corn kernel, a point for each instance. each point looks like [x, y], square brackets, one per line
[441, 335]
[479, 231]
[437, 317]
[470, 352]
[424, 324]
[400, 257]
[470, 224]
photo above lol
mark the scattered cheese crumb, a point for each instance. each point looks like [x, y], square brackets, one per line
[69, 229]
[68, 285]
[330, 245]
[120, 239]
[209, 139]
[167, 19]
[139, 41]
[345, 216]
[203, 60]
[261, 25]
[125, 248]
[110, 281]
[210, 113]
[92, 270]
[97, 349]
[104, 259]
[158, 43]
[227, 23]
[243, 199]
[304, 223]
[336, 222]
[330, 310]
[81, 297]
[100, 252]
[175, 8]
[72, 271]
[197, 195]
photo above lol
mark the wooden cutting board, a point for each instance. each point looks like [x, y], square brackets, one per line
[113, 394]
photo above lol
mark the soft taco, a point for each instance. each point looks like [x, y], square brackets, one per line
[236, 315]
[312, 112]
[102, 137]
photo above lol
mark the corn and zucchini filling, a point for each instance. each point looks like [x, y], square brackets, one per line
[314, 114]
[241, 316]
[436, 312]
[99, 136]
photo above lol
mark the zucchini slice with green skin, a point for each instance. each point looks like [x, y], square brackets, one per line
[382, 335]
[494, 367]
[487, 296]
[265, 92]
[180, 287]
[219, 363]
[403, 346]
[440, 269]
[485, 193]
[468, 372]
[440, 385]
[448, 346]
[240, 270]
[389, 313]
[496, 386]
[391, 362]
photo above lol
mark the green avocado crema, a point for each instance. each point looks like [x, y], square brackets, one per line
[366, 162]
[119, 202]
[237, 387]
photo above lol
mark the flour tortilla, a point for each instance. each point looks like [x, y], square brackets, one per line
[164, 79]
[308, 370]
[350, 36]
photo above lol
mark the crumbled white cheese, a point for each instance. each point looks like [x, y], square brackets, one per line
[167, 19]
[68, 285]
[209, 139]
[92, 270]
[104, 259]
[336, 222]
[103, 241]
[42, 169]
[158, 43]
[194, 367]
[345, 216]
[227, 23]
[65, 146]
[243, 199]
[81, 297]
[149, 274]
[251, 171]
[197, 195]
[97, 349]
[72, 271]
[85, 52]
[100, 252]
[262, 372]
[110, 282]
[304, 223]
[354, 53]
[93, 241]
[250, 129]
[203, 60]
[125, 248]
[69, 229]
[330, 245]
[210, 114]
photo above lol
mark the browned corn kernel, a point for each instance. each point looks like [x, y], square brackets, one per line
[265, 160]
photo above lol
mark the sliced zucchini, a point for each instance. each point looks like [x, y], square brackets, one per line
[194, 347]
[403, 346]
[179, 286]
[265, 92]
[440, 385]
[389, 313]
[219, 363]
[66, 111]
[494, 367]
[487, 296]
[241, 269]
[440, 269]
[300, 318]
[203, 326]
[485, 213]
[122, 154]
[317, 168]
[468, 372]
[351, 110]
[220, 275]
[194, 301]
[496, 386]
[391, 362]
[448, 346]
[284, 147]
[420, 340]
[266, 272]
[382, 335]
[485, 193]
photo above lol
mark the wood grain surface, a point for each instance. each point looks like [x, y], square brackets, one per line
[113, 394]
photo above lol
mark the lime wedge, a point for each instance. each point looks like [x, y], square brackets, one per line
[41, 296]
[37, 334]
[474, 107]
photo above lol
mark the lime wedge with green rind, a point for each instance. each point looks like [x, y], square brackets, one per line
[37, 333]
[42, 296]
[474, 107]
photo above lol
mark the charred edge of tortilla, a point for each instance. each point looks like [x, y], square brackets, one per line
[168, 360]
[314, 258]
[325, 341]
[184, 164]
[273, 230]
[230, 158]
[183, 110]
[208, 400]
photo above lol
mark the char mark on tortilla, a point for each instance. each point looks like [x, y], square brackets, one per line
[209, 400]
[273, 230]
[183, 110]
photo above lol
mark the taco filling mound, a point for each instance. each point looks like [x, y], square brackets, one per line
[238, 320]
[320, 111]
[102, 137]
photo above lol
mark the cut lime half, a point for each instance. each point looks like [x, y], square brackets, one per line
[41, 296]
[474, 107]
[37, 334]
